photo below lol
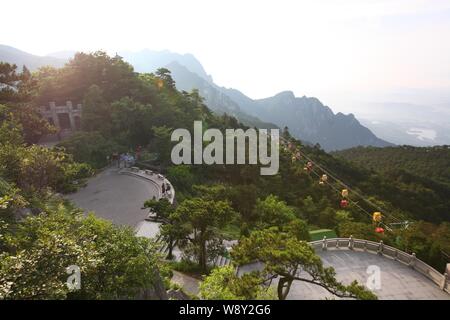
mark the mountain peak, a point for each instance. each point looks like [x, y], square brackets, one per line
[21, 58]
[288, 94]
[148, 60]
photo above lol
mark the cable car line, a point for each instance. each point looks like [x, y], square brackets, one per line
[324, 178]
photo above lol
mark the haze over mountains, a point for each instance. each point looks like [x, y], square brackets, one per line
[33, 62]
[307, 118]
[406, 123]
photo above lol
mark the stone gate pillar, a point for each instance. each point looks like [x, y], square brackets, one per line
[54, 114]
[73, 126]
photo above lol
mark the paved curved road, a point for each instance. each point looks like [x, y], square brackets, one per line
[116, 197]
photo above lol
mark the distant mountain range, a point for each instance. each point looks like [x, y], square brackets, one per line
[307, 118]
[31, 61]
[215, 98]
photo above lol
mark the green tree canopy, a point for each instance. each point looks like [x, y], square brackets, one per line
[273, 212]
[114, 263]
[223, 284]
[202, 218]
[290, 259]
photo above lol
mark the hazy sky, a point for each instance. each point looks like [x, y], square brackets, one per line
[337, 50]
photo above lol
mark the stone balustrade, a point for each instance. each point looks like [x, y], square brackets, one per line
[442, 280]
[156, 178]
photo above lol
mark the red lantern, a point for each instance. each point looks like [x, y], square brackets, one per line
[344, 203]
[379, 230]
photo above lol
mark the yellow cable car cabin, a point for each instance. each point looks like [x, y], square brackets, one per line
[344, 193]
[377, 216]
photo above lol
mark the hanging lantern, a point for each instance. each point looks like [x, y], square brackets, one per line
[309, 166]
[379, 230]
[344, 203]
[377, 216]
[344, 193]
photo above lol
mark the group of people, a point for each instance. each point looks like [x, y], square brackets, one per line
[122, 160]
[165, 188]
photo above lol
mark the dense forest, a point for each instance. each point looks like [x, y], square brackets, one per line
[425, 162]
[122, 110]
[422, 176]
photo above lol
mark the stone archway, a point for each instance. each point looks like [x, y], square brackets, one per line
[64, 120]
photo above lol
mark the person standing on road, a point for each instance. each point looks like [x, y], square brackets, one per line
[121, 160]
[115, 159]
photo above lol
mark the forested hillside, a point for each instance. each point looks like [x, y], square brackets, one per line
[150, 111]
[422, 176]
[427, 162]
[123, 110]
[41, 235]
[308, 119]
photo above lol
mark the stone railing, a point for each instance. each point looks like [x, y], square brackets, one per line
[442, 280]
[153, 177]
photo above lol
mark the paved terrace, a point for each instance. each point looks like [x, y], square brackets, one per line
[403, 277]
[398, 281]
